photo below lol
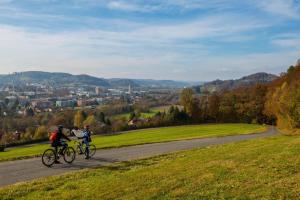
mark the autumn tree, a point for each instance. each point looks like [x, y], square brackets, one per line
[40, 133]
[190, 103]
[79, 118]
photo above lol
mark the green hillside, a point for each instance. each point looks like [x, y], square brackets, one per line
[145, 136]
[256, 169]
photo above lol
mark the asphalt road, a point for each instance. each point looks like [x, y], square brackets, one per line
[24, 170]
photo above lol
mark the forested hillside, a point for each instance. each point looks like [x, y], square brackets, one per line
[246, 81]
[66, 79]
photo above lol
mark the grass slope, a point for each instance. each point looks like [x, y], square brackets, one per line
[255, 169]
[145, 136]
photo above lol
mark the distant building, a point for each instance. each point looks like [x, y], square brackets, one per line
[11, 98]
[23, 101]
[65, 103]
[298, 62]
[2, 104]
[129, 89]
[84, 102]
[97, 90]
[41, 104]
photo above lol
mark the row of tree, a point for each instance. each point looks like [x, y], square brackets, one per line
[274, 103]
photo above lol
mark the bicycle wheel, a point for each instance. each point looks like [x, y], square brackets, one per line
[69, 155]
[48, 157]
[92, 150]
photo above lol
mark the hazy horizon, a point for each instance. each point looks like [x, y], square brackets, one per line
[188, 81]
[193, 40]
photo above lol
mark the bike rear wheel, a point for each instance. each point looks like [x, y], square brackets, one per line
[69, 155]
[48, 157]
[92, 150]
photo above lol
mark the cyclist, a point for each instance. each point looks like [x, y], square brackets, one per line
[86, 140]
[59, 135]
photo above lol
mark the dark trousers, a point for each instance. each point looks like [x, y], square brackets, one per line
[57, 144]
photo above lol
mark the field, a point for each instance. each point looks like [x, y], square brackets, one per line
[145, 136]
[256, 169]
[149, 114]
[143, 115]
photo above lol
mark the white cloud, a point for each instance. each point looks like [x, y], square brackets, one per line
[131, 6]
[287, 40]
[119, 5]
[284, 8]
[107, 54]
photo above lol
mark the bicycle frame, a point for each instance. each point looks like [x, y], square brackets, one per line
[79, 144]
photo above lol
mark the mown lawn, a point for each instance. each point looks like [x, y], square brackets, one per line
[146, 136]
[143, 115]
[256, 169]
[151, 113]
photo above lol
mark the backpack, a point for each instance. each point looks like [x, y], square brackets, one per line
[53, 136]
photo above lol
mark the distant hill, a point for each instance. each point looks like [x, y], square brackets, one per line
[53, 79]
[65, 79]
[219, 85]
[161, 83]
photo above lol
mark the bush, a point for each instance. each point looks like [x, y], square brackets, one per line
[40, 133]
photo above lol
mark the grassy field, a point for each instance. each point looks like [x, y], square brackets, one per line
[256, 169]
[143, 115]
[149, 114]
[145, 136]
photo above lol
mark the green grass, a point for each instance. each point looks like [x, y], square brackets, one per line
[164, 108]
[143, 115]
[256, 169]
[145, 136]
[149, 114]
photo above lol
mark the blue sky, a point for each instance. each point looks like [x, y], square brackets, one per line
[195, 40]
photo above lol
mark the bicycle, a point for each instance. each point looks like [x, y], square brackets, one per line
[81, 148]
[50, 155]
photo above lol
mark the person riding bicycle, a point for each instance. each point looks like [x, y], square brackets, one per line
[86, 140]
[59, 135]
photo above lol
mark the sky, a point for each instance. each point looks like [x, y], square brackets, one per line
[191, 40]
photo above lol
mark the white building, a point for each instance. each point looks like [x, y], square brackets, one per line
[129, 90]
[97, 90]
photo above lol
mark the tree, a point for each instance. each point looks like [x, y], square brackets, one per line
[29, 112]
[90, 120]
[29, 134]
[213, 107]
[132, 115]
[108, 122]
[101, 117]
[40, 133]
[190, 103]
[227, 107]
[283, 100]
[79, 119]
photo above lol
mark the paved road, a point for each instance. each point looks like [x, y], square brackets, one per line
[24, 170]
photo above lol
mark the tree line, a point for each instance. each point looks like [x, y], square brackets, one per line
[277, 103]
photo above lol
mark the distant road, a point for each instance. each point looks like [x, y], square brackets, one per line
[24, 170]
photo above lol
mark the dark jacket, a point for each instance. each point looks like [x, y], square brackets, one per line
[61, 135]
